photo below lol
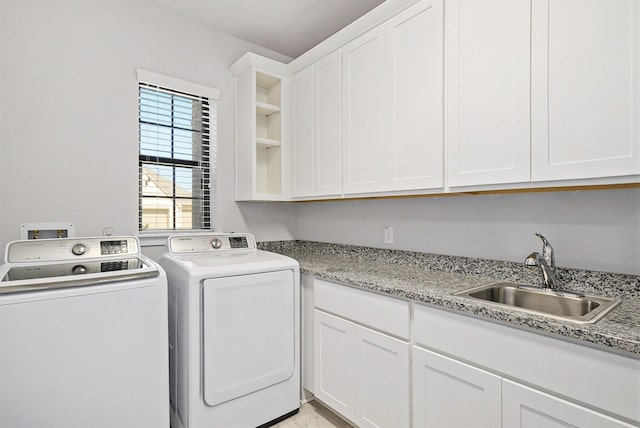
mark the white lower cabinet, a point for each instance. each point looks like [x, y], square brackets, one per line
[306, 329]
[377, 363]
[524, 407]
[382, 380]
[334, 363]
[448, 393]
[360, 373]
[361, 355]
[473, 375]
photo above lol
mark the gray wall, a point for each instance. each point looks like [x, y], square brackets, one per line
[68, 111]
[68, 149]
[596, 230]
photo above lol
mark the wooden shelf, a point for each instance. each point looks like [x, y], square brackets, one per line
[267, 143]
[266, 109]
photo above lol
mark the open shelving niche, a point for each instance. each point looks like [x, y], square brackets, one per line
[268, 134]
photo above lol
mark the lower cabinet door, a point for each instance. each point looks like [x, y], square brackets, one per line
[381, 380]
[448, 393]
[333, 365]
[524, 407]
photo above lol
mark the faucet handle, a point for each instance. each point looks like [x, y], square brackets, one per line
[531, 259]
[547, 251]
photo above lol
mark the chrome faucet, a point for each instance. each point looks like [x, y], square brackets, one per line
[546, 262]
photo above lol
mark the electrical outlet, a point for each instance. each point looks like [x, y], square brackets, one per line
[388, 235]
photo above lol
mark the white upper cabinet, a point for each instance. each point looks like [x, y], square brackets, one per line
[392, 79]
[447, 96]
[262, 152]
[586, 89]
[488, 91]
[316, 129]
[414, 142]
[302, 133]
[364, 102]
[327, 150]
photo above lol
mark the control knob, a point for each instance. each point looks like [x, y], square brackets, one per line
[216, 243]
[79, 249]
[79, 269]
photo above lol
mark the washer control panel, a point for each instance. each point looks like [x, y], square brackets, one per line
[54, 270]
[211, 243]
[45, 250]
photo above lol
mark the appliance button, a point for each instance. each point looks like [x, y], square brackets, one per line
[79, 269]
[216, 243]
[79, 249]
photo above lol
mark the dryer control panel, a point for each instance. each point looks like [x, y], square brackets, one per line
[211, 243]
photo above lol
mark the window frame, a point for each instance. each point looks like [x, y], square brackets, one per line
[209, 96]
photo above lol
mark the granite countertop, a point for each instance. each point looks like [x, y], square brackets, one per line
[432, 279]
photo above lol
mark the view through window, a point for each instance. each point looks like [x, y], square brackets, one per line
[176, 159]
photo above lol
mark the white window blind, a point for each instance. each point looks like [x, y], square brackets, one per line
[177, 132]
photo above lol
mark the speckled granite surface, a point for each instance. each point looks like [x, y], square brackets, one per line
[433, 279]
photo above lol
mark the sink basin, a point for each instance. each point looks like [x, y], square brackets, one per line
[585, 310]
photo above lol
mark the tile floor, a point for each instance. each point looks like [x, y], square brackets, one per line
[313, 415]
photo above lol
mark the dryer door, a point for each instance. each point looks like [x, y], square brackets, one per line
[248, 333]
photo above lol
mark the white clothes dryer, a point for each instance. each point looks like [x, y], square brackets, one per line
[234, 316]
[83, 327]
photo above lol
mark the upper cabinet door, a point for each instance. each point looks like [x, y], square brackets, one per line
[302, 133]
[364, 103]
[414, 143]
[328, 125]
[488, 91]
[586, 88]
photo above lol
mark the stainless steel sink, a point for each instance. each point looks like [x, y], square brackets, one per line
[570, 307]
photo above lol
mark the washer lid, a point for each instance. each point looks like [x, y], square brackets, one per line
[53, 270]
[46, 276]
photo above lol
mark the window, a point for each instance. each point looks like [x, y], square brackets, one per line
[177, 131]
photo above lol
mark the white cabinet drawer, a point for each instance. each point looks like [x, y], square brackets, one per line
[381, 313]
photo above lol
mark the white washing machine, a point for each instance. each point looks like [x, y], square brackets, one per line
[234, 316]
[83, 327]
